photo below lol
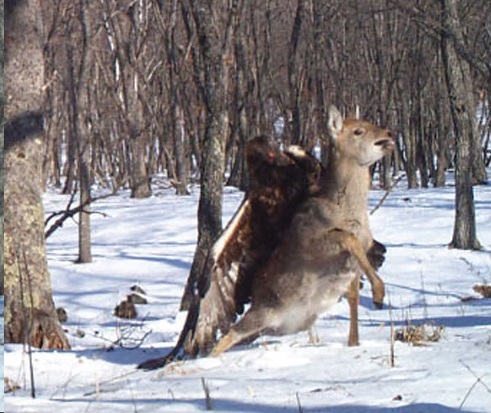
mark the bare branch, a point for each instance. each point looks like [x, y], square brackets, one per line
[70, 213]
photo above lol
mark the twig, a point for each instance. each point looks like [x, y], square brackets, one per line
[478, 381]
[99, 386]
[392, 361]
[425, 303]
[387, 192]
[27, 331]
[299, 404]
[126, 337]
[206, 389]
[135, 410]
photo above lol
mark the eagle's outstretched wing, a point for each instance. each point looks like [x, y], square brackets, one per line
[278, 183]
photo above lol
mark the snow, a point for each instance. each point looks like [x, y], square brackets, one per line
[151, 243]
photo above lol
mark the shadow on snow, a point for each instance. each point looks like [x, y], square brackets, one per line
[229, 405]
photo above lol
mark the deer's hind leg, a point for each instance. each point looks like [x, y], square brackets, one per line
[254, 322]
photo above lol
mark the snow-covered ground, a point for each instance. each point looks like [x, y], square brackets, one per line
[151, 243]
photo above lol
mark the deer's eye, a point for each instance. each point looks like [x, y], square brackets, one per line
[359, 131]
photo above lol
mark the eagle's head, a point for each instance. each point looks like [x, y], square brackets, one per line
[264, 150]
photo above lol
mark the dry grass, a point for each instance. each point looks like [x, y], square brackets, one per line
[419, 335]
[10, 386]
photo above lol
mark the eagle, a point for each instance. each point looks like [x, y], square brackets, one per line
[280, 182]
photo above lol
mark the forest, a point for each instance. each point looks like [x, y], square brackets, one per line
[129, 84]
[141, 88]
[128, 92]
[144, 107]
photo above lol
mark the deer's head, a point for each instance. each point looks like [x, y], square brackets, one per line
[358, 140]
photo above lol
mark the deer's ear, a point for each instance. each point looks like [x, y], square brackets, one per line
[334, 121]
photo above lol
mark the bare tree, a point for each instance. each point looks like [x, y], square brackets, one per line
[30, 315]
[214, 29]
[462, 107]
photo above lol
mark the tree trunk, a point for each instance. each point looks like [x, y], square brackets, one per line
[462, 108]
[214, 47]
[30, 315]
[2, 172]
[77, 137]
[140, 179]
[442, 140]
[479, 173]
[84, 234]
[294, 72]
[238, 173]
[180, 144]
[408, 136]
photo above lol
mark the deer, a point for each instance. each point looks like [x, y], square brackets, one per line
[347, 184]
[324, 250]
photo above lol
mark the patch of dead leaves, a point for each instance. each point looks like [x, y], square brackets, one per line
[483, 289]
[419, 335]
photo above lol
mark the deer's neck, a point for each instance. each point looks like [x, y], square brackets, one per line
[346, 184]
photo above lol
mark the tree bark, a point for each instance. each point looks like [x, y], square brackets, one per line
[214, 39]
[84, 231]
[2, 171]
[409, 143]
[462, 108]
[294, 72]
[140, 179]
[238, 173]
[442, 138]
[30, 315]
[180, 144]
